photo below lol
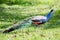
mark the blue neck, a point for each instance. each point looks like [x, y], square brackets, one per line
[49, 14]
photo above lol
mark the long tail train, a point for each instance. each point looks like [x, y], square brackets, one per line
[25, 23]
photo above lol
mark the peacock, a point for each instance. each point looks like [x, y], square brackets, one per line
[36, 20]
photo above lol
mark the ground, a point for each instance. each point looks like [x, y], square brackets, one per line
[11, 14]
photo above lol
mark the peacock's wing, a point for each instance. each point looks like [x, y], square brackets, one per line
[40, 18]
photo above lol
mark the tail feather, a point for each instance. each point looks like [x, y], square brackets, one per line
[9, 30]
[26, 23]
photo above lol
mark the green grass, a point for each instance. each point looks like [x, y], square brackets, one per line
[11, 14]
[32, 34]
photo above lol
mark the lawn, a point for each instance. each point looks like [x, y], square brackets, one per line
[11, 14]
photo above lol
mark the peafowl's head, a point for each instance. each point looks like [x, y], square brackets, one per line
[51, 10]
